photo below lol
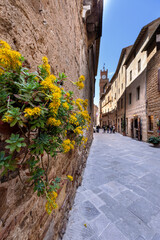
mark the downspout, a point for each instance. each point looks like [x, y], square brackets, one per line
[125, 99]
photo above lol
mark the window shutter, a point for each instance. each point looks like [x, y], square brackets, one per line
[159, 80]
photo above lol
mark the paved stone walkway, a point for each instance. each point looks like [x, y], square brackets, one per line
[120, 194]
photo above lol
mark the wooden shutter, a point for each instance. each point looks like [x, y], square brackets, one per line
[159, 80]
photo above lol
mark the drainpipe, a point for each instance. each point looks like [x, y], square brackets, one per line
[125, 99]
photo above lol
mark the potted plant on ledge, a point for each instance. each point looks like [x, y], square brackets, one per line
[155, 141]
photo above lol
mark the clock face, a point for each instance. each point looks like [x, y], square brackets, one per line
[103, 76]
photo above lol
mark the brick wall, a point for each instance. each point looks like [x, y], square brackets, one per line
[54, 29]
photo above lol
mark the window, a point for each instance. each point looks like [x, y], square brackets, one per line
[122, 69]
[119, 90]
[130, 75]
[150, 123]
[121, 103]
[138, 93]
[108, 99]
[130, 98]
[115, 96]
[122, 86]
[139, 65]
[115, 83]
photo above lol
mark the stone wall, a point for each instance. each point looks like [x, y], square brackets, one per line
[57, 30]
[153, 95]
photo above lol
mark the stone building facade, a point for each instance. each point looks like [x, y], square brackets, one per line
[68, 33]
[134, 103]
[153, 84]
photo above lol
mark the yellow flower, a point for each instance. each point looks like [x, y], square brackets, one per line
[78, 130]
[29, 112]
[45, 60]
[48, 83]
[85, 104]
[80, 81]
[51, 204]
[45, 65]
[9, 59]
[53, 122]
[84, 141]
[68, 94]
[73, 120]
[7, 118]
[54, 106]
[65, 105]
[68, 145]
[78, 101]
[82, 78]
[70, 177]
[3, 44]
[85, 116]
[80, 85]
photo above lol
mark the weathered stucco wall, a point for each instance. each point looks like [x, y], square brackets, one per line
[54, 29]
[137, 108]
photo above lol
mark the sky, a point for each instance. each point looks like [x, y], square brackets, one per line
[122, 22]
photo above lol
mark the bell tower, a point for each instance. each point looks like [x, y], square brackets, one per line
[104, 81]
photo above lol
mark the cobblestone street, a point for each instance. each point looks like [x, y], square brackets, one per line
[120, 194]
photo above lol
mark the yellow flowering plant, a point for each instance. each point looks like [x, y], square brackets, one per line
[44, 115]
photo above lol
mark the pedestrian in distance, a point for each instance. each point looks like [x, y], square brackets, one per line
[107, 128]
[114, 128]
[97, 128]
[111, 129]
[104, 128]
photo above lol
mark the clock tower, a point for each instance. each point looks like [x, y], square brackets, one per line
[104, 81]
[103, 85]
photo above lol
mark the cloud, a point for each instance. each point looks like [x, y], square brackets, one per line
[111, 73]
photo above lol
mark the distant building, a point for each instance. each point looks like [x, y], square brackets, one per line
[131, 100]
[95, 116]
[103, 86]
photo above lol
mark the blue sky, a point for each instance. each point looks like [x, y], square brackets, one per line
[122, 22]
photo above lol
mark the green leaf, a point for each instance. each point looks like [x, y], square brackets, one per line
[19, 145]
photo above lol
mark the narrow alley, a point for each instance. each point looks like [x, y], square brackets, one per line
[119, 195]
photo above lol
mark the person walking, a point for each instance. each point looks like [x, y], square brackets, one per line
[97, 128]
[114, 128]
[104, 128]
[107, 128]
[111, 128]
